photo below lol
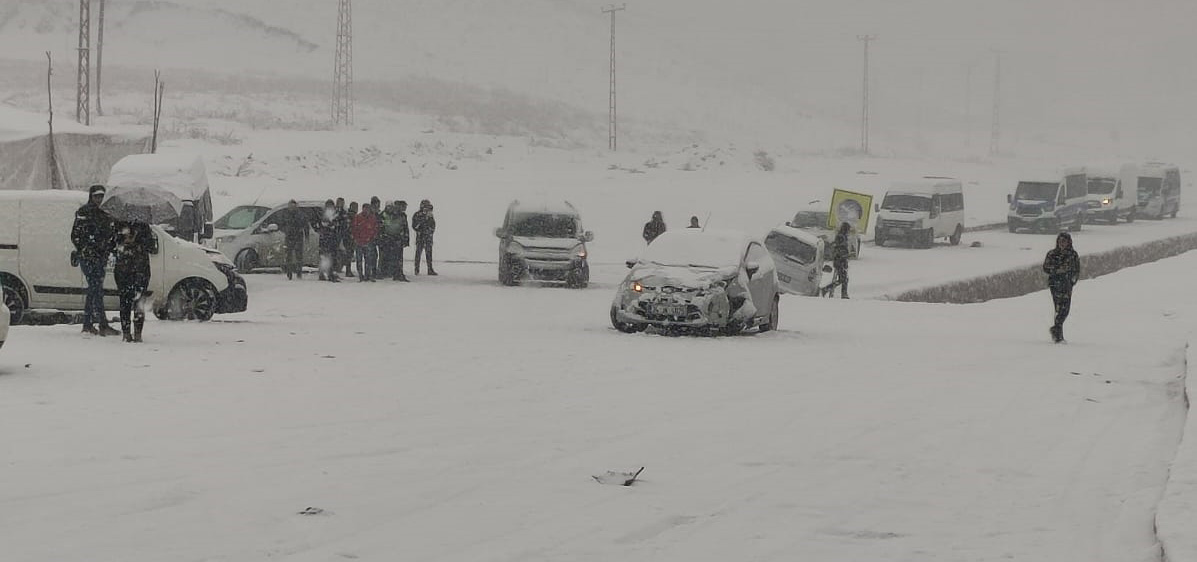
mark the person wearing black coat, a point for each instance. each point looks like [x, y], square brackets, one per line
[347, 240]
[424, 223]
[135, 242]
[93, 236]
[1063, 268]
[404, 239]
[294, 224]
[329, 229]
[839, 260]
[654, 227]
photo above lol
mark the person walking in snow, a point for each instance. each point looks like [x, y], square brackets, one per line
[654, 228]
[839, 262]
[328, 228]
[349, 247]
[294, 224]
[135, 242]
[1063, 268]
[424, 223]
[93, 235]
[365, 236]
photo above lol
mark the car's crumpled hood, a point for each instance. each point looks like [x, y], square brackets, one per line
[551, 243]
[653, 275]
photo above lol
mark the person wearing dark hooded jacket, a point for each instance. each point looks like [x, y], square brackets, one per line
[654, 227]
[424, 223]
[135, 242]
[94, 236]
[839, 260]
[1063, 268]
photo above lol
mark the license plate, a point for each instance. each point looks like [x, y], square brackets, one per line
[783, 277]
[897, 231]
[670, 309]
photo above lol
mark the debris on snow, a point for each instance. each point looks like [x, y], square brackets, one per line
[612, 478]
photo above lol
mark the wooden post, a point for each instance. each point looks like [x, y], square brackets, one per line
[159, 89]
[54, 184]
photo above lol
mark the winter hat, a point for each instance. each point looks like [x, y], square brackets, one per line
[93, 190]
[1064, 236]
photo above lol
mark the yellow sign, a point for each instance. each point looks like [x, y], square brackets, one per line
[852, 208]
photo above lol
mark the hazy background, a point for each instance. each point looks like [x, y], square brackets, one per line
[1113, 78]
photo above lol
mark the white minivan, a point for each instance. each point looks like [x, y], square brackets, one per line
[187, 281]
[1107, 200]
[1049, 205]
[1157, 188]
[921, 211]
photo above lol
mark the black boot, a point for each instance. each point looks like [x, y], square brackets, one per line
[1057, 333]
[137, 326]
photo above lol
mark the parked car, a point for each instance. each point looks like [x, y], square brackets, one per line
[799, 256]
[4, 321]
[261, 245]
[541, 242]
[187, 281]
[1157, 188]
[921, 211]
[1049, 205]
[1107, 200]
[699, 279]
[816, 223]
[238, 219]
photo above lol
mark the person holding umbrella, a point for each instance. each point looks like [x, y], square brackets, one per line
[93, 237]
[134, 244]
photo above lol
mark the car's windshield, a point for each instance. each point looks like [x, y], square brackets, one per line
[810, 219]
[1036, 191]
[1101, 186]
[239, 218]
[545, 226]
[904, 202]
[791, 248]
[692, 248]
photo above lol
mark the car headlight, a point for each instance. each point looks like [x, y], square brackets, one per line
[579, 251]
[515, 249]
[637, 287]
[1106, 201]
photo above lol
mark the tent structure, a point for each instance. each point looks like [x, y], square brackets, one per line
[82, 156]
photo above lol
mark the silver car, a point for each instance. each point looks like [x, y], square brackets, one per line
[702, 280]
[261, 245]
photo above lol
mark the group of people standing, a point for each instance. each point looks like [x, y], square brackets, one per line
[369, 235]
[97, 237]
[655, 226]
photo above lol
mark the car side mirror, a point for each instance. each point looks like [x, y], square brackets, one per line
[752, 268]
[588, 236]
[876, 207]
[500, 233]
[209, 231]
[1009, 199]
[271, 228]
[631, 263]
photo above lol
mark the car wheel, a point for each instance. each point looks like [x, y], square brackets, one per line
[955, 237]
[879, 240]
[247, 261]
[1011, 226]
[1131, 217]
[191, 299]
[14, 299]
[929, 238]
[1175, 210]
[623, 326]
[732, 328]
[774, 317]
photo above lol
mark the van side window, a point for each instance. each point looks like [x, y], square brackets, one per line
[952, 202]
[1075, 186]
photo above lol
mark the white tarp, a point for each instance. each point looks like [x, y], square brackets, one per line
[84, 154]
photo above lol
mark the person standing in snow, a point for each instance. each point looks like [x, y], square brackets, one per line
[694, 223]
[403, 236]
[294, 224]
[134, 244]
[654, 227]
[93, 235]
[342, 225]
[377, 204]
[328, 228]
[424, 223]
[839, 261]
[365, 235]
[350, 248]
[386, 242]
[1063, 268]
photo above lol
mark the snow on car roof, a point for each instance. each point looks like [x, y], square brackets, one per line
[925, 186]
[799, 234]
[181, 174]
[695, 247]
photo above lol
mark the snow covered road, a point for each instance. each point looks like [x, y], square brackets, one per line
[454, 420]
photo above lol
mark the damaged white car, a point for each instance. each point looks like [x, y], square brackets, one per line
[701, 280]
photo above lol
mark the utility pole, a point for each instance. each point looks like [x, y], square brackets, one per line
[83, 81]
[864, 110]
[995, 134]
[612, 127]
[99, 57]
[342, 102]
[54, 180]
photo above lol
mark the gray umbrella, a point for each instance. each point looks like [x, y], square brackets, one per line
[142, 204]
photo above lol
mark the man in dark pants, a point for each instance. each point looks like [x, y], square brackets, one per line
[350, 247]
[342, 226]
[839, 261]
[1063, 268]
[330, 242]
[135, 243]
[365, 235]
[294, 225]
[404, 234]
[424, 224]
[93, 235]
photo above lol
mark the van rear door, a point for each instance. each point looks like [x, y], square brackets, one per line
[799, 260]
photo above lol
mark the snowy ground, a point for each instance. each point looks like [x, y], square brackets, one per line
[453, 419]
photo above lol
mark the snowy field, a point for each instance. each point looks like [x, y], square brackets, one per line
[452, 419]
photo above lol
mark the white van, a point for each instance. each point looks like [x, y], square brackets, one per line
[1107, 200]
[921, 211]
[1049, 205]
[798, 255]
[187, 281]
[1157, 188]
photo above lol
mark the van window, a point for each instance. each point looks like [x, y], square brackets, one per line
[1036, 191]
[902, 202]
[545, 226]
[952, 202]
[1172, 180]
[240, 218]
[1101, 186]
[1075, 186]
[791, 248]
[1150, 185]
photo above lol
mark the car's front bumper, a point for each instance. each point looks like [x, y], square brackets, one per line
[710, 310]
[545, 269]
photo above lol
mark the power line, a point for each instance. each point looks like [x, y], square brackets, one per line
[612, 125]
[864, 110]
[83, 80]
[342, 102]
